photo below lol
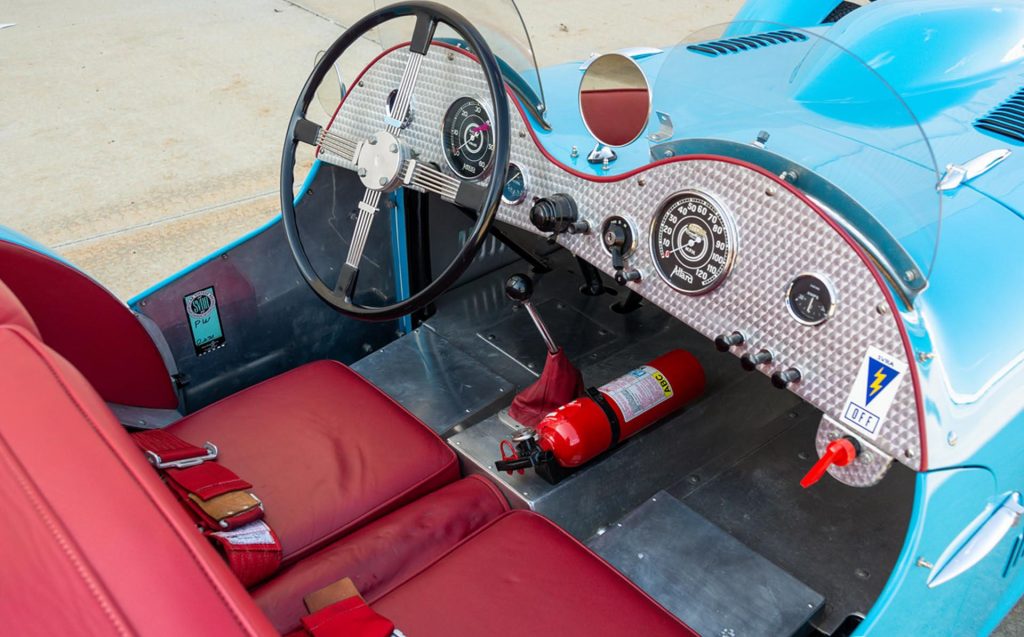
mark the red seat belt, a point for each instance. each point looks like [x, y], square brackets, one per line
[349, 617]
[222, 504]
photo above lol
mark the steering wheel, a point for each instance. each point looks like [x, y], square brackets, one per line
[385, 163]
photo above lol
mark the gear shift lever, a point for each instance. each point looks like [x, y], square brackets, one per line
[559, 383]
[519, 288]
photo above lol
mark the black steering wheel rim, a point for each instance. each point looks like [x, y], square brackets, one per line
[430, 14]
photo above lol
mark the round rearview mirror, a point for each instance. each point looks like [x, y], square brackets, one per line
[331, 89]
[615, 99]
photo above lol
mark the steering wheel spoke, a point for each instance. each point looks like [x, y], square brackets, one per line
[368, 207]
[424, 177]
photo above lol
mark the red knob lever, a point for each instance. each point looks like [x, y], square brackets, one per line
[839, 452]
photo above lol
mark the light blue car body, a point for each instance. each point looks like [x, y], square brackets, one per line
[951, 61]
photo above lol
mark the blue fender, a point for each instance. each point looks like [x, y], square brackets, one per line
[767, 15]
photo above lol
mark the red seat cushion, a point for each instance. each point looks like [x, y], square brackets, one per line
[523, 575]
[386, 552]
[12, 312]
[325, 450]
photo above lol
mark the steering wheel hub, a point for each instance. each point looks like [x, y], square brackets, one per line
[379, 161]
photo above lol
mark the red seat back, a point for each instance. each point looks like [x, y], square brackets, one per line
[89, 327]
[91, 542]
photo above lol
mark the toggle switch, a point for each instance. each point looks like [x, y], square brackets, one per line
[786, 377]
[750, 361]
[725, 341]
[839, 453]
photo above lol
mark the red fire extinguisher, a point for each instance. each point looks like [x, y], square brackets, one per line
[581, 430]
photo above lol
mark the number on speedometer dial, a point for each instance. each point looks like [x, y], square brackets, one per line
[693, 242]
[468, 138]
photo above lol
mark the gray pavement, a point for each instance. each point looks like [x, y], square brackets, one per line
[136, 137]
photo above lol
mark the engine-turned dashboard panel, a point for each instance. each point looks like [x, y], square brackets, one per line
[716, 243]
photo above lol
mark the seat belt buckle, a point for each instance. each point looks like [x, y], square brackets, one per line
[184, 463]
[222, 508]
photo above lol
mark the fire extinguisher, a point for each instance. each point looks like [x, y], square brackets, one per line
[583, 429]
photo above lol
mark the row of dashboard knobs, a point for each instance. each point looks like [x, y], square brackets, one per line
[752, 360]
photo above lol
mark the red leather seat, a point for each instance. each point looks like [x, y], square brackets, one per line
[523, 575]
[325, 450]
[93, 543]
[90, 327]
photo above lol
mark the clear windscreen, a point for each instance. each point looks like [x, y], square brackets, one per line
[807, 100]
[501, 24]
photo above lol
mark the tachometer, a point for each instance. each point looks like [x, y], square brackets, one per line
[693, 242]
[468, 138]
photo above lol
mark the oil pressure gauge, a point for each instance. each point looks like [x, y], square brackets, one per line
[811, 299]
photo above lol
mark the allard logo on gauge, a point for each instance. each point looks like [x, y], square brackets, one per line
[692, 242]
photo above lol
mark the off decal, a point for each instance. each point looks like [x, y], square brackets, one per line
[204, 320]
[873, 391]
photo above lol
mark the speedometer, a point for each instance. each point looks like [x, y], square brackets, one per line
[693, 242]
[468, 138]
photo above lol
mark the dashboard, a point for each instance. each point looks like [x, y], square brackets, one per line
[721, 245]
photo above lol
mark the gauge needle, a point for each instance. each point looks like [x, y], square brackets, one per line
[474, 133]
[810, 305]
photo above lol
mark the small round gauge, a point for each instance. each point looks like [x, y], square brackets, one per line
[693, 242]
[811, 299]
[515, 186]
[390, 104]
[468, 138]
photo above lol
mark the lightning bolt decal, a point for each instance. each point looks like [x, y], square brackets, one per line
[876, 385]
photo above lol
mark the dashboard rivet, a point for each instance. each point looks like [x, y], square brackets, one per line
[908, 453]
[451, 56]
[641, 182]
[522, 133]
[770, 191]
[668, 153]
[362, 83]
[393, 148]
[574, 153]
[924, 357]
[362, 172]
[882, 309]
[832, 435]
[788, 175]
[951, 439]
[383, 181]
[910, 275]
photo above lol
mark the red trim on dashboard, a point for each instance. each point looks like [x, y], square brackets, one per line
[879, 279]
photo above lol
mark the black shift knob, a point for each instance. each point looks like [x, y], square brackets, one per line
[519, 287]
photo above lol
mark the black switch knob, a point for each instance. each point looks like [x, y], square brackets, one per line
[556, 214]
[750, 361]
[622, 277]
[725, 341]
[519, 288]
[786, 377]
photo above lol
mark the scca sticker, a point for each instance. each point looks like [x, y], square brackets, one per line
[873, 391]
[204, 320]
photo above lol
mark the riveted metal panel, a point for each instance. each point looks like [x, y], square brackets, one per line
[778, 237]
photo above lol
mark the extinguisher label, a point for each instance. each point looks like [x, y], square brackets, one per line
[638, 391]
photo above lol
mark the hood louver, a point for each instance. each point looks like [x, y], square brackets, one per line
[1007, 119]
[715, 48]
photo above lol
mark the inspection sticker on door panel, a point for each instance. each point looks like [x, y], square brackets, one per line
[638, 391]
[873, 391]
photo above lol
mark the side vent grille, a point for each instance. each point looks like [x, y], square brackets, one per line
[1015, 555]
[1007, 119]
[715, 48]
